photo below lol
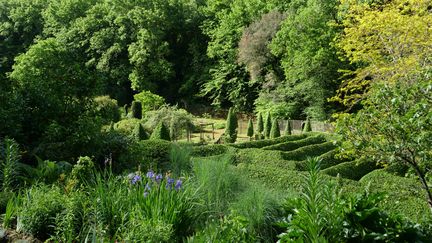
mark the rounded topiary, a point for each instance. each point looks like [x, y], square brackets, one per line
[288, 128]
[139, 132]
[250, 130]
[136, 109]
[231, 127]
[161, 132]
[307, 127]
[260, 126]
[275, 131]
[267, 126]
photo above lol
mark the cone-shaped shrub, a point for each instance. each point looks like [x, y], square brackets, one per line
[231, 127]
[307, 127]
[275, 131]
[267, 126]
[260, 126]
[139, 132]
[288, 128]
[160, 132]
[136, 109]
[250, 130]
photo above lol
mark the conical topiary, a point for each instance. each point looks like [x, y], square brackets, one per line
[139, 132]
[288, 128]
[307, 127]
[231, 127]
[136, 109]
[160, 132]
[260, 126]
[250, 130]
[275, 131]
[267, 126]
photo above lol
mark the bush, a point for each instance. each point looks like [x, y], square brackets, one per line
[161, 132]
[291, 145]
[353, 170]
[127, 126]
[139, 133]
[308, 151]
[267, 126]
[275, 131]
[260, 126]
[83, 171]
[307, 126]
[250, 129]
[149, 101]
[209, 150]
[145, 230]
[107, 109]
[136, 110]
[263, 143]
[40, 206]
[288, 128]
[327, 160]
[262, 158]
[231, 127]
[149, 154]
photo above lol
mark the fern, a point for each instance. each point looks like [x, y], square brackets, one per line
[9, 165]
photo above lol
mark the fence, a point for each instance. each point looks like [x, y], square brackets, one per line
[297, 125]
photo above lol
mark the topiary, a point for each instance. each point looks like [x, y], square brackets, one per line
[307, 126]
[275, 131]
[260, 126]
[267, 126]
[136, 109]
[288, 128]
[107, 108]
[139, 133]
[250, 130]
[231, 127]
[161, 132]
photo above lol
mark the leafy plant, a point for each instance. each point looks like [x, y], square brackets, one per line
[288, 128]
[307, 126]
[161, 132]
[136, 110]
[9, 164]
[231, 127]
[250, 129]
[267, 126]
[260, 126]
[275, 131]
[149, 101]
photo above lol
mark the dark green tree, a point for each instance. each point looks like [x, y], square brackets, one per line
[136, 110]
[231, 127]
[267, 126]
[161, 132]
[275, 131]
[288, 128]
[250, 129]
[139, 132]
[260, 126]
[307, 126]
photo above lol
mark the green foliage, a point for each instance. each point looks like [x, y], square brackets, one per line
[307, 126]
[250, 129]
[180, 159]
[107, 108]
[148, 230]
[260, 126]
[288, 128]
[136, 110]
[149, 101]
[161, 132]
[209, 150]
[308, 151]
[353, 170]
[149, 154]
[267, 126]
[267, 142]
[9, 164]
[10, 210]
[230, 135]
[5, 196]
[275, 131]
[40, 206]
[127, 126]
[50, 171]
[139, 133]
[292, 145]
[83, 171]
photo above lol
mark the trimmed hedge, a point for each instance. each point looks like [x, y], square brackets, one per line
[398, 169]
[267, 142]
[353, 170]
[291, 145]
[150, 154]
[263, 158]
[209, 150]
[308, 151]
[327, 160]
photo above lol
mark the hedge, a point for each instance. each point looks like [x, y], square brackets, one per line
[291, 145]
[209, 150]
[267, 142]
[353, 170]
[327, 160]
[149, 154]
[308, 151]
[263, 158]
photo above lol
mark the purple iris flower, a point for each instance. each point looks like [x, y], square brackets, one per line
[131, 176]
[159, 178]
[170, 182]
[150, 174]
[178, 184]
[136, 179]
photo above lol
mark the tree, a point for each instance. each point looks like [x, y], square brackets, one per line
[139, 132]
[149, 101]
[288, 129]
[267, 126]
[161, 132]
[275, 131]
[136, 110]
[250, 129]
[307, 126]
[231, 127]
[260, 126]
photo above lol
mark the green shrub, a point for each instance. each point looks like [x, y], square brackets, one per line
[145, 230]
[262, 158]
[398, 169]
[149, 101]
[288, 128]
[107, 108]
[127, 126]
[139, 133]
[209, 150]
[267, 126]
[353, 170]
[180, 159]
[291, 145]
[263, 143]
[69, 223]
[231, 127]
[307, 126]
[40, 206]
[250, 129]
[83, 171]
[327, 160]
[161, 132]
[136, 110]
[4, 199]
[308, 151]
[275, 131]
[260, 126]
[149, 154]
[9, 164]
